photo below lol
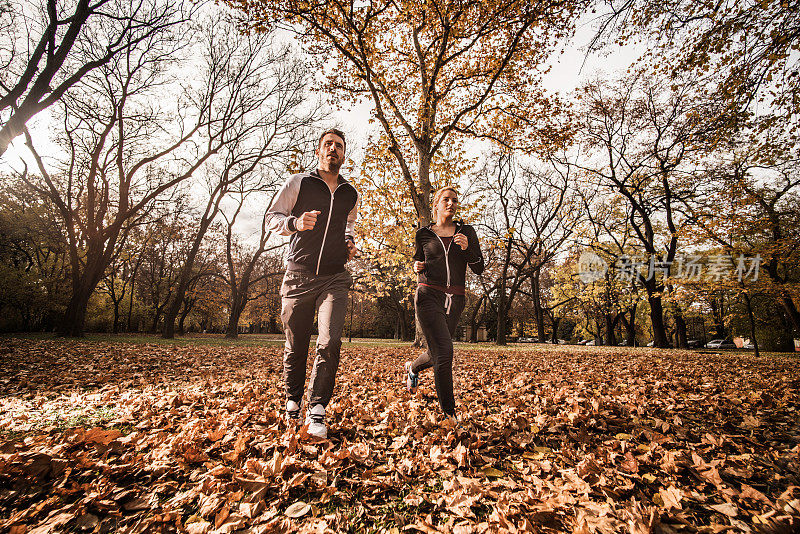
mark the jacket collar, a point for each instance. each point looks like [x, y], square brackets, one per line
[339, 179]
[458, 222]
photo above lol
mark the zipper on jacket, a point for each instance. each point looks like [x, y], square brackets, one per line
[446, 259]
[446, 252]
[448, 297]
[327, 223]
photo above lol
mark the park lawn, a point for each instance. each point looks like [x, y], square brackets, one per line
[110, 434]
[258, 340]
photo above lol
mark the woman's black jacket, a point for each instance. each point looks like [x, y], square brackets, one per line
[447, 265]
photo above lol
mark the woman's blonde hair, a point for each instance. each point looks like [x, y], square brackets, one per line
[438, 195]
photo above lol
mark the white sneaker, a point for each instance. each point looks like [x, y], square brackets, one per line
[292, 412]
[316, 422]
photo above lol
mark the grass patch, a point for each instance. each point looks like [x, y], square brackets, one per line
[274, 340]
[62, 418]
[244, 340]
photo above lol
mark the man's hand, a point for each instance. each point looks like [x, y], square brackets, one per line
[419, 266]
[461, 241]
[351, 249]
[306, 221]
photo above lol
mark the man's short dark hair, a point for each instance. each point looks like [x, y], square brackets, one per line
[334, 131]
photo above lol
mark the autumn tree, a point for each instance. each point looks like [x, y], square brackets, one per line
[160, 256]
[34, 267]
[749, 212]
[531, 214]
[388, 222]
[125, 148]
[246, 266]
[119, 280]
[386, 244]
[263, 104]
[640, 138]
[434, 71]
[608, 233]
[48, 46]
[745, 52]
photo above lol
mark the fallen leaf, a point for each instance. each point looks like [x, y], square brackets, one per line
[492, 472]
[671, 498]
[298, 509]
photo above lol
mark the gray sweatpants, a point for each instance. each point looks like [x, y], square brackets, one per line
[301, 295]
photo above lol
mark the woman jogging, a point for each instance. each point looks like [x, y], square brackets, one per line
[443, 251]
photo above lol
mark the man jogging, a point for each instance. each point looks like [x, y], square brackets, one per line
[318, 210]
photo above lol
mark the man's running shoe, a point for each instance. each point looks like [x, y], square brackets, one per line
[292, 413]
[316, 422]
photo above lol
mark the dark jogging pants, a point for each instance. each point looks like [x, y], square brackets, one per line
[302, 294]
[438, 327]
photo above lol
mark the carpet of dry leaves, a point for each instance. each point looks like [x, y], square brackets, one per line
[120, 437]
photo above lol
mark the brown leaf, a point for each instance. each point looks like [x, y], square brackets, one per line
[671, 498]
[630, 464]
[103, 437]
[251, 510]
[275, 466]
[199, 527]
[749, 492]
[296, 480]
[220, 471]
[319, 478]
[726, 508]
[136, 504]
[251, 484]
[711, 475]
[210, 504]
[461, 455]
[359, 452]
[87, 522]
[52, 523]
[221, 516]
[492, 472]
[217, 434]
[298, 509]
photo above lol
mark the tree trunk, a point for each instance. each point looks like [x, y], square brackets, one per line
[404, 333]
[115, 327]
[791, 311]
[82, 288]
[156, 319]
[598, 338]
[502, 313]
[538, 312]
[130, 301]
[630, 326]
[752, 321]
[473, 321]
[238, 302]
[75, 315]
[556, 321]
[186, 274]
[680, 331]
[610, 323]
[184, 314]
[657, 320]
[717, 313]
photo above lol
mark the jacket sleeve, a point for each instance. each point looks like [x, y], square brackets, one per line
[279, 215]
[350, 226]
[419, 252]
[473, 252]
